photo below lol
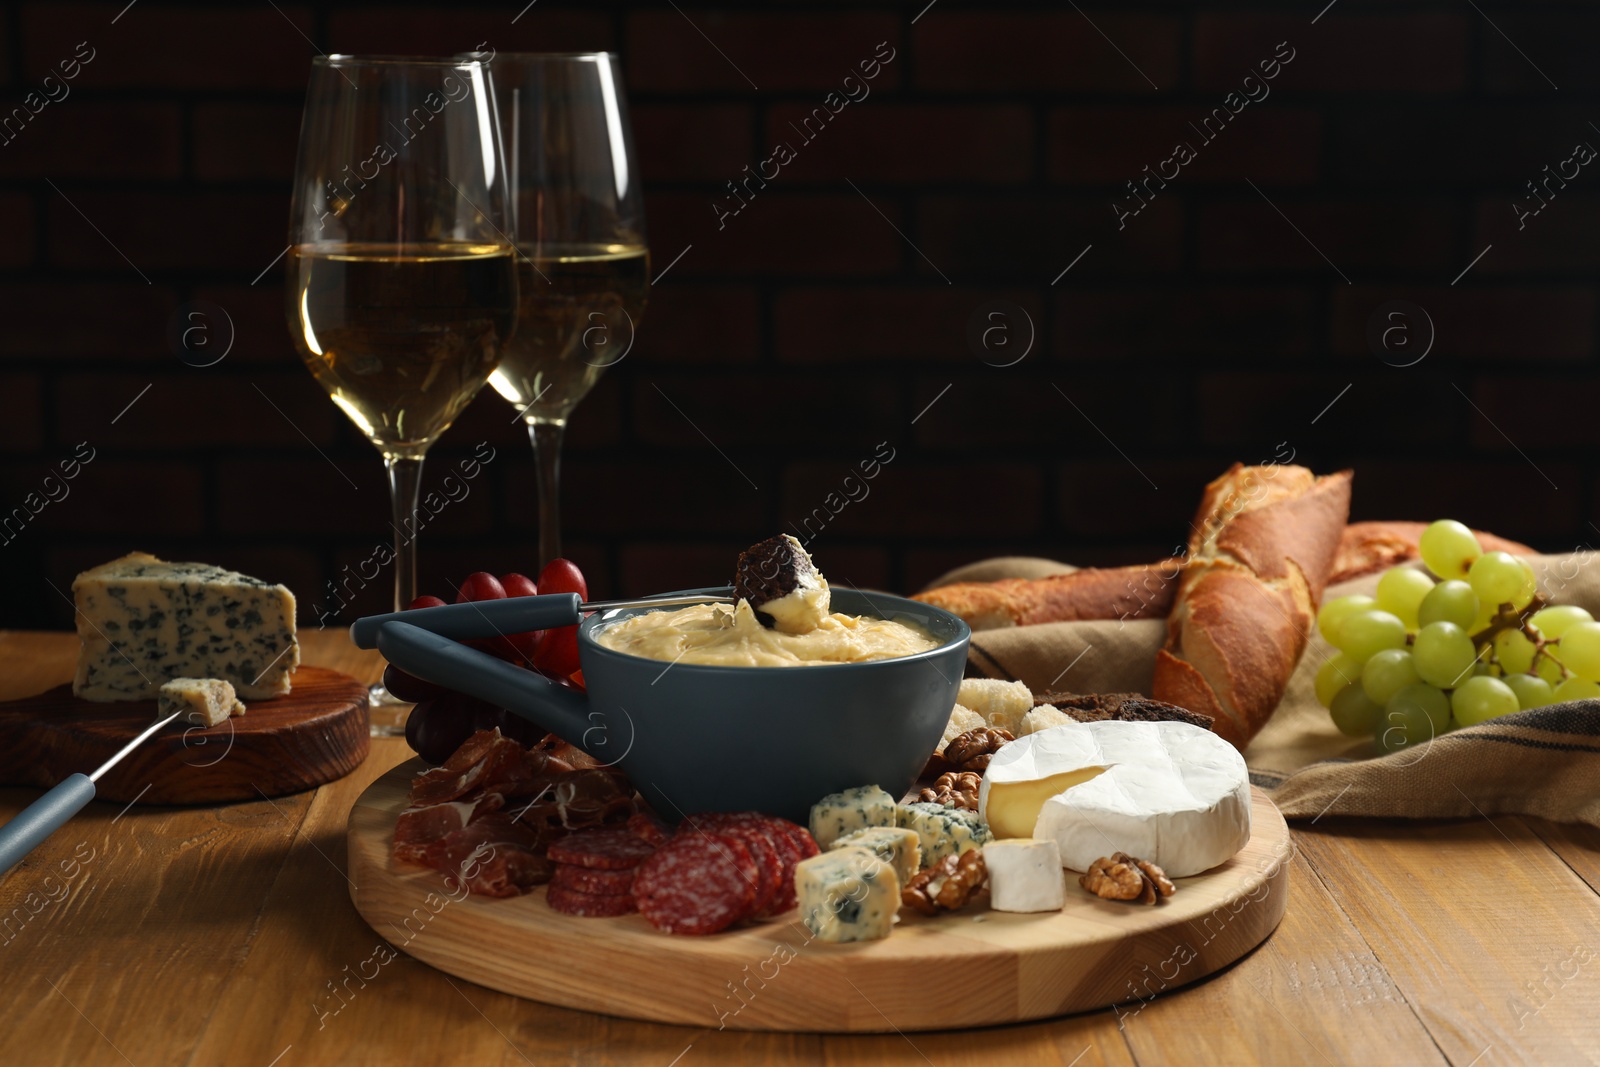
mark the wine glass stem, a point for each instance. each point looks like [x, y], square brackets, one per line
[405, 481]
[546, 435]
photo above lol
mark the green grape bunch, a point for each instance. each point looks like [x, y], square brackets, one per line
[1468, 642]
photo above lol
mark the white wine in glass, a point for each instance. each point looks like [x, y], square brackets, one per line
[583, 265]
[402, 275]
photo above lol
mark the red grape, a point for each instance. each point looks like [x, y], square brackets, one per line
[518, 585]
[425, 602]
[480, 585]
[409, 686]
[436, 728]
[525, 644]
[557, 654]
[563, 576]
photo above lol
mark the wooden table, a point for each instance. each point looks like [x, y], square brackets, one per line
[215, 936]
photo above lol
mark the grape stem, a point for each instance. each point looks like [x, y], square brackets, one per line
[1509, 618]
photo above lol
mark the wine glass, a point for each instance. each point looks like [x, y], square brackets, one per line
[402, 280]
[583, 266]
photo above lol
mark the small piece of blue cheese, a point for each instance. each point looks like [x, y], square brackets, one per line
[838, 814]
[203, 701]
[847, 894]
[899, 848]
[945, 831]
[142, 620]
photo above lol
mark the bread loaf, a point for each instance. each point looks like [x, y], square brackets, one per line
[1263, 545]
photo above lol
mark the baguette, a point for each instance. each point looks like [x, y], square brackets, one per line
[1146, 590]
[1369, 547]
[1143, 591]
[1263, 545]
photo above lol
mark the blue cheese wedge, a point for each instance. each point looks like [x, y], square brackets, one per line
[899, 848]
[142, 620]
[943, 830]
[203, 701]
[847, 894]
[855, 809]
[1025, 875]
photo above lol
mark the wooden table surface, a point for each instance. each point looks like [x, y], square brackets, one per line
[216, 935]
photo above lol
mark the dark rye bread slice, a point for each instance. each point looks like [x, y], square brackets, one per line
[1126, 707]
[770, 570]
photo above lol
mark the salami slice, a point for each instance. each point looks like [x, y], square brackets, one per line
[769, 864]
[789, 856]
[608, 849]
[718, 820]
[589, 905]
[649, 827]
[697, 884]
[792, 843]
[801, 837]
[593, 879]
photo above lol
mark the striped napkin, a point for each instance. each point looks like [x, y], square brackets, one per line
[1544, 762]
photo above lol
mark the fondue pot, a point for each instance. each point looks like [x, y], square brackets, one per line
[692, 737]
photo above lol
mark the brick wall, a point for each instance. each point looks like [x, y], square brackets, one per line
[1229, 314]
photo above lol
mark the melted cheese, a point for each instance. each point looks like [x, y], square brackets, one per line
[711, 634]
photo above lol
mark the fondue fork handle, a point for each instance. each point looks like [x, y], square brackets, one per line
[477, 618]
[513, 615]
[65, 799]
[442, 661]
[42, 818]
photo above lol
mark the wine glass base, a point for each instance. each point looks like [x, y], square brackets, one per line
[386, 712]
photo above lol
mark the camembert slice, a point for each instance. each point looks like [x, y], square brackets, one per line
[1025, 875]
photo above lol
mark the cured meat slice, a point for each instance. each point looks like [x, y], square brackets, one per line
[769, 865]
[792, 842]
[800, 836]
[494, 856]
[697, 884]
[483, 760]
[611, 850]
[594, 879]
[764, 840]
[589, 905]
[649, 827]
[487, 815]
[418, 828]
[789, 855]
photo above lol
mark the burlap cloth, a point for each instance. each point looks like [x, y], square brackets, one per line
[1544, 762]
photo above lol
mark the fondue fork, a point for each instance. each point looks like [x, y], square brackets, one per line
[513, 615]
[46, 815]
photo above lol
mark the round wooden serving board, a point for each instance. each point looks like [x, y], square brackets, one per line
[974, 967]
[314, 735]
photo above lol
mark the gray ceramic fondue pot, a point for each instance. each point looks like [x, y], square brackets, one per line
[707, 738]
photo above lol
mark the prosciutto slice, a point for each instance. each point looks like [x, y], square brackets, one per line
[487, 815]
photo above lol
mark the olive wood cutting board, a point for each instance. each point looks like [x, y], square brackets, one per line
[314, 735]
[969, 968]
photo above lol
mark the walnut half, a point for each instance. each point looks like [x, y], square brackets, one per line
[1125, 877]
[947, 885]
[956, 789]
[971, 751]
